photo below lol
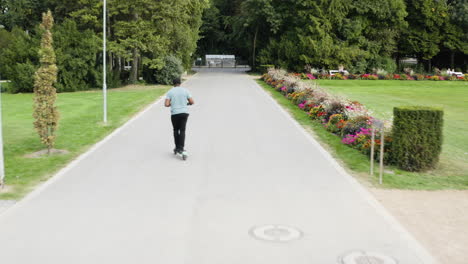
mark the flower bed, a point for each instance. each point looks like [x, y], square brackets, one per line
[367, 76]
[349, 120]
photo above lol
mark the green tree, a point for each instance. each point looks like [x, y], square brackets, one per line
[135, 33]
[21, 13]
[45, 112]
[333, 32]
[212, 32]
[76, 57]
[145, 31]
[456, 35]
[19, 59]
[425, 32]
[259, 19]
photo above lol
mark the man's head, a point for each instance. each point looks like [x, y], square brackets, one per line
[176, 81]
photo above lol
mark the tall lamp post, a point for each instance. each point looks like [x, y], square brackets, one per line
[2, 165]
[104, 58]
[2, 162]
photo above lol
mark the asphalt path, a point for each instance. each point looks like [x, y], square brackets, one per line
[255, 189]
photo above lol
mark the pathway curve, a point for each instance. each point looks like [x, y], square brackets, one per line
[132, 201]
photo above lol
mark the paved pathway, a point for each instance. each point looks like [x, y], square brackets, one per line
[132, 201]
[5, 204]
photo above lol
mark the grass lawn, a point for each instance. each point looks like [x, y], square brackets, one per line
[80, 127]
[381, 97]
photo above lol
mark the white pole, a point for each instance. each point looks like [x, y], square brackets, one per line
[2, 165]
[104, 58]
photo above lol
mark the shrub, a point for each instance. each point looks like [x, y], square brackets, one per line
[338, 76]
[22, 80]
[323, 76]
[316, 112]
[355, 125]
[19, 58]
[369, 77]
[172, 69]
[334, 123]
[389, 77]
[418, 77]
[264, 68]
[417, 133]
[333, 107]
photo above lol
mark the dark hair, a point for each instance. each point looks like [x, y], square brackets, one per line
[176, 81]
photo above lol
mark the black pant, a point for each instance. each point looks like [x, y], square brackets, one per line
[179, 121]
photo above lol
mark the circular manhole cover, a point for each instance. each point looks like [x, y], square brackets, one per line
[276, 233]
[364, 257]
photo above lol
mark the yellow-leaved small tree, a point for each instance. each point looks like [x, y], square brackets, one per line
[45, 112]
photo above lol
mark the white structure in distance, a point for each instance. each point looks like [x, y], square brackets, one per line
[220, 60]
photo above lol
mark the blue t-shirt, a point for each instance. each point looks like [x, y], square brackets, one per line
[179, 98]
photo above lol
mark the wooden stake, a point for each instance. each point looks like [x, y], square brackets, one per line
[372, 152]
[381, 154]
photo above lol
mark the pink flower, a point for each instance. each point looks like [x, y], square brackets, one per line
[310, 76]
[349, 139]
[364, 131]
[284, 88]
[301, 106]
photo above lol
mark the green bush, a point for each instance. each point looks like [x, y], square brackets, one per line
[19, 59]
[417, 134]
[172, 69]
[22, 79]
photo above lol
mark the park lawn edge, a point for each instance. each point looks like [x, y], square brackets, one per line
[17, 192]
[356, 163]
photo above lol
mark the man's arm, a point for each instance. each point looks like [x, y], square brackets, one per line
[190, 101]
[167, 103]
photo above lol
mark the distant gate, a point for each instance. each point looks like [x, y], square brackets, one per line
[220, 61]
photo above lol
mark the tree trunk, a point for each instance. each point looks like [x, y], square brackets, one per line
[254, 48]
[134, 73]
[397, 60]
[452, 60]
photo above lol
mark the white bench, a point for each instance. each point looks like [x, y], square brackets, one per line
[458, 74]
[333, 72]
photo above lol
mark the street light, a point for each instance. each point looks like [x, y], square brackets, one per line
[2, 162]
[2, 165]
[104, 62]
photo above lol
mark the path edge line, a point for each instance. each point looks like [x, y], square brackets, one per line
[425, 256]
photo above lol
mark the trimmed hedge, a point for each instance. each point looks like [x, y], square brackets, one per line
[417, 134]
